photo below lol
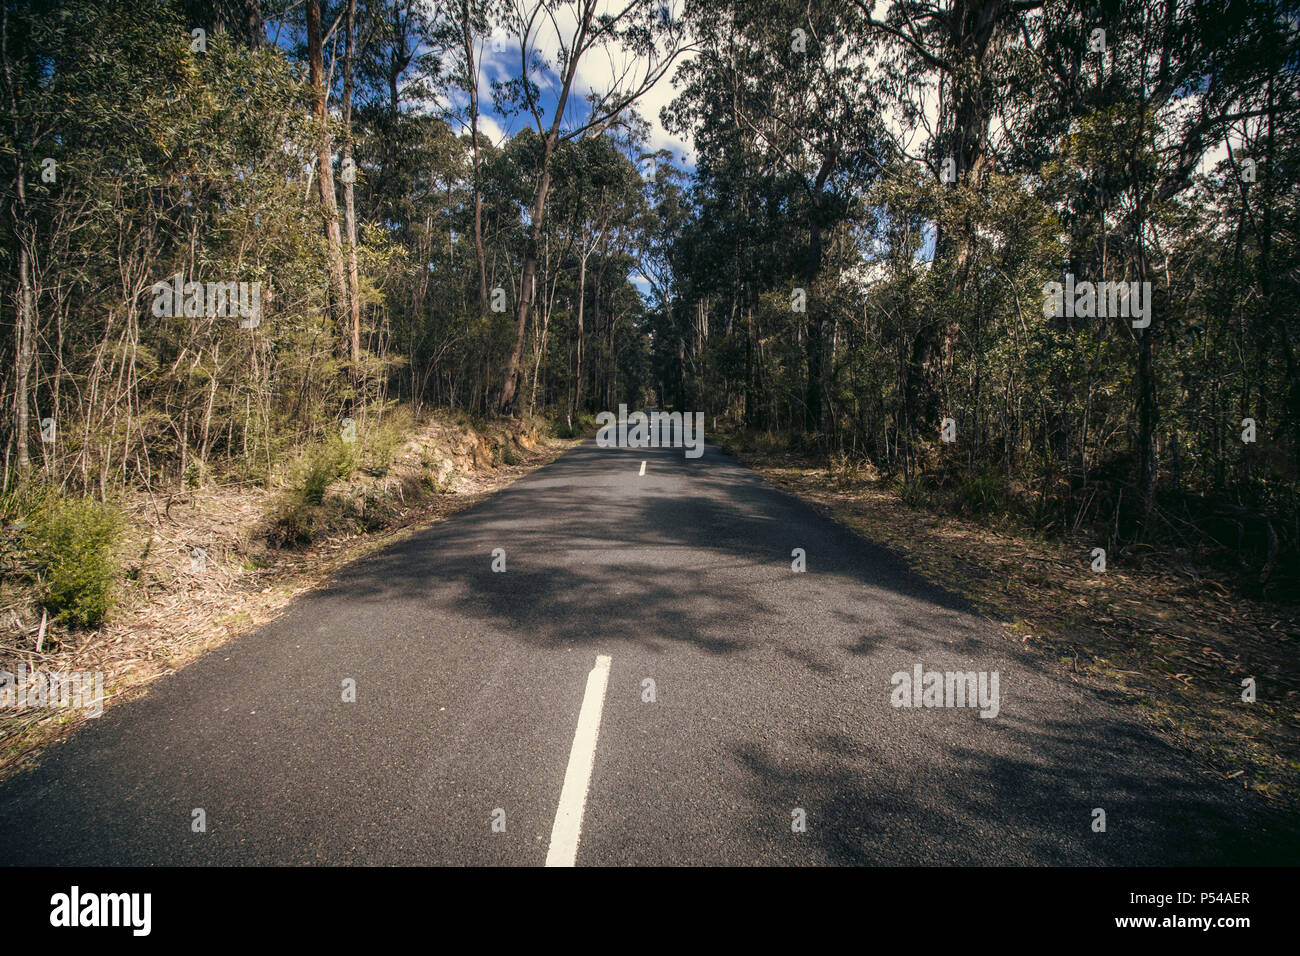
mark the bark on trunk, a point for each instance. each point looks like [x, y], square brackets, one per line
[349, 194]
[471, 87]
[325, 175]
[25, 306]
[510, 386]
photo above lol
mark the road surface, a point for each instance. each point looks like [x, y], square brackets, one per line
[772, 706]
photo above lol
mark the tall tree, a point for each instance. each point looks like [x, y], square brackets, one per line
[325, 170]
[638, 28]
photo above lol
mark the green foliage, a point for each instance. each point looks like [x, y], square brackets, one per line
[21, 500]
[915, 492]
[195, 474]
[72, 545]
[292, 523]
[979, 493]
[301, 512]
[322, 465]
[982, 493]
[583, 425]
[923, 296]
[380, 441]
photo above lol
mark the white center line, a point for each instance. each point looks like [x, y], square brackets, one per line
[643, 468]
[573, 798]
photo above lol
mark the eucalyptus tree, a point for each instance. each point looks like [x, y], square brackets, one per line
[790, 83]
[596, 193]
[939, 66]
[636, 34]
[1133, 98]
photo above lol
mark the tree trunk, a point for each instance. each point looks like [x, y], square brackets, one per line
[252, 22]
[814, 348]
[349, 197]
[510, 386]
[577, 356]
[325, 178]
[964, 120]
[25, 311]
[471, 87]
[26, 336]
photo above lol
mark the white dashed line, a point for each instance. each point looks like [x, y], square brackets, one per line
[573, 798]
[643, 468]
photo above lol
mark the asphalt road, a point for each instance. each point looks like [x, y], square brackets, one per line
[773, 694]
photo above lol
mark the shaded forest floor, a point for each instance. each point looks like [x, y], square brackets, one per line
[172, 610]
[1175, 640]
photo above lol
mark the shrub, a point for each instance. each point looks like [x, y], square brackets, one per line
[72, 543]
[292, 524]
[915, 493]
[325, 463]
[846, 471]
[196, 474]
[381, 442]
[296, 517]
[583, 424]
[983, 492]
[766, 442]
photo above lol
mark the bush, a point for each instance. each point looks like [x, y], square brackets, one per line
[765, 442]
[915, 493]
[326, 463]
[584, 424]
[196, 474]
[381, 442]
[297, 517]
[984, 492]
[72, 544]
[293, 524]
[847, 472]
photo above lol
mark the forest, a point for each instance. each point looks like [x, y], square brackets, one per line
[872, 255]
